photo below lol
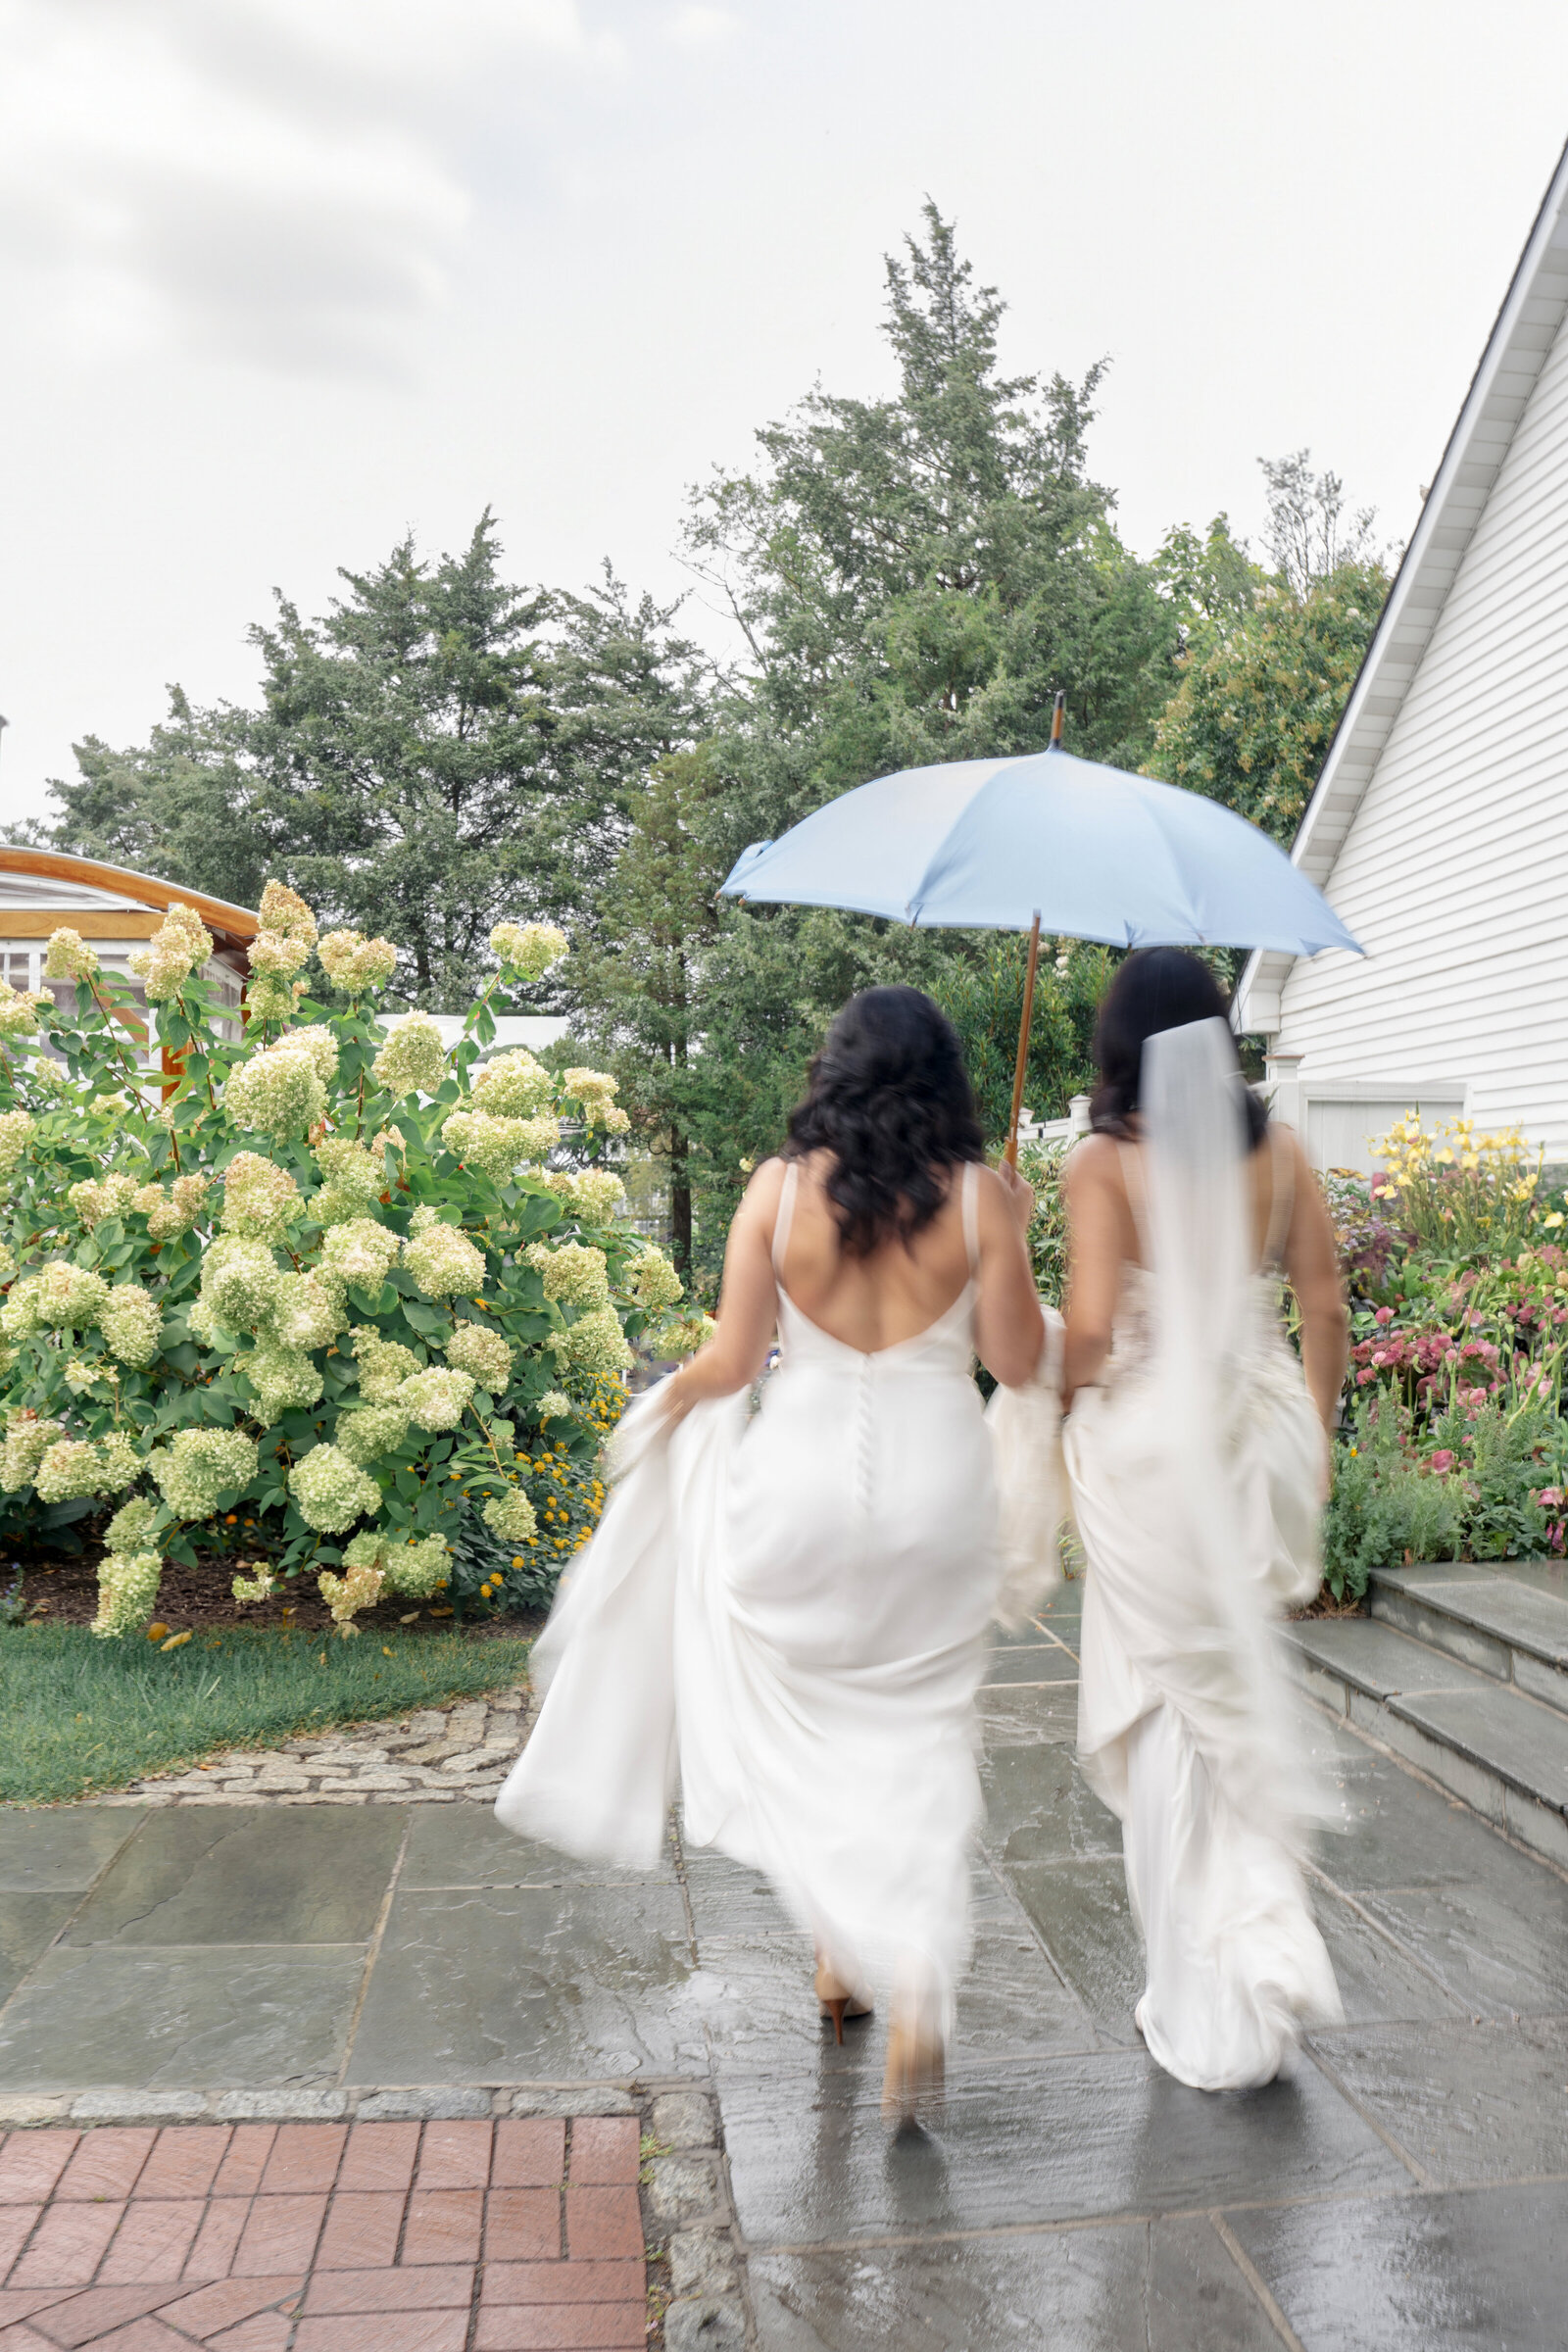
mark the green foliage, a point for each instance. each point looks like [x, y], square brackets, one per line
[1042, 1165]
[329, 1282]
[1454, 1443]
[983, 997]
[85, 1716]
[1259, 700]
[439, 747]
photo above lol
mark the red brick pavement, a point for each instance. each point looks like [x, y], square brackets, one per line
[324, 2238]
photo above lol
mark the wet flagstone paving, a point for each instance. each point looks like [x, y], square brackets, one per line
[1406, 2190]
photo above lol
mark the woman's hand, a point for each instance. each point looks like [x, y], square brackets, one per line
[1020, 1196]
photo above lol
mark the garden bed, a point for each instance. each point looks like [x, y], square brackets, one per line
[66, 1591]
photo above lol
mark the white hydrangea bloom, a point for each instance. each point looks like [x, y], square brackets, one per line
[653, 1281]
[346, 1595]
[595, 1345]
[284, 1378]
[201, 1465]
[512, 1516]
[179, 947]
[74, 1467]
[330, 1492]
[513, 1085]
[240, 1283]
[131, 1529]
[360, 1251]
[527, 949]
[436, 1399]
[595, 1090]
[413, 1060]
[483, 1354]
[132, 1325]
[171, 1212]
[553, 1406]
[15, 1134]
[593, 1195]
[355, 963]
[67, 1297]
[260, 1199]
[413, 1571]
[98, 1197]
[494, 1146]
[19, 1315]
[284, 912]
[127, 1586]
[574, 1274]
[8, 1264]
[27, 1439]
[444, 1263]
[383, 1364]
[68, 957]
[20, 1008]
[355, 1181]
[374, 1429]
[308, 1311]
[279, 1091]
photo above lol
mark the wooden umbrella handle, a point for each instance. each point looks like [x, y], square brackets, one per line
[1022, 1062]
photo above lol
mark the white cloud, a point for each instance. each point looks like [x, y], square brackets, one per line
[698, 27]
[265, 178]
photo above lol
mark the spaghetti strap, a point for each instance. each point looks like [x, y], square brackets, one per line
[1282, 1200]
[784, 1217]
[971, 1215]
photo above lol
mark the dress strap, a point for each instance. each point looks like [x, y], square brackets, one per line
[784, 1217]
[1283, 1197]
[1132, 1176]
[971, 1201]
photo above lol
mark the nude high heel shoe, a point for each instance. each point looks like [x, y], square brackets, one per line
[836, 2002]
[915, 2071]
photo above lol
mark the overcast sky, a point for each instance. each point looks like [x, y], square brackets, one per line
[282, 279]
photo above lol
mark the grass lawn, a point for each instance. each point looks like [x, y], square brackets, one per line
[81, 1715]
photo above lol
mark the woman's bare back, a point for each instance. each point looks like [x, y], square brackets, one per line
[873, 1302]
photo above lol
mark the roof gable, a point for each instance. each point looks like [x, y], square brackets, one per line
[1526, 328]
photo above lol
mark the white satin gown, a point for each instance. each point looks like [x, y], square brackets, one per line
[815, 1581]
[1185, 1719]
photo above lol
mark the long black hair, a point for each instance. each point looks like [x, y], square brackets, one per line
[1156, 989]
[888, 1098]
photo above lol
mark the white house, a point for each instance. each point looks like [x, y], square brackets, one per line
[1439, 827]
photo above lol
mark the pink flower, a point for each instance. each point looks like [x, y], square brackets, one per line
[1384, 1314]
[1364, 1374]
[1442, 1459]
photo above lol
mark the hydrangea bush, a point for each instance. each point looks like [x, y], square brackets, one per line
[359, 1298]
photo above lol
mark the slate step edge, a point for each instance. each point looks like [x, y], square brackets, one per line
[1525, 1804]
[1456, 1616]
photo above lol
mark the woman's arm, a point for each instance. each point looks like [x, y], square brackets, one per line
[1096, 1233]
[1009, 1329]
[1312, 1268]
[748, 1310]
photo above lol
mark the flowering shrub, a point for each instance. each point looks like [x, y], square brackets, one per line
[319, 1293]
[1454, 1443]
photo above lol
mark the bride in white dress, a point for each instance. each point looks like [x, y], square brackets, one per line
[795, 1601]
[1197, 1455]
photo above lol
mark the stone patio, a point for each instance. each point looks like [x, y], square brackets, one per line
[1405, 2191]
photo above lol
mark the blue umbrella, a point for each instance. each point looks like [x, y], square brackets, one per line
[1047, 839]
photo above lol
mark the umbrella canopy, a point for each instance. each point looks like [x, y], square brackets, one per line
[1086, 850]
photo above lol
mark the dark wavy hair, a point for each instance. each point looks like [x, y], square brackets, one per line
[1156, 989]
[888, 1098]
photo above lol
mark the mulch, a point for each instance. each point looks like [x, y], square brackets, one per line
[200, 1598]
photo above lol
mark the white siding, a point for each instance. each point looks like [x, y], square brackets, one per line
[1455, 871]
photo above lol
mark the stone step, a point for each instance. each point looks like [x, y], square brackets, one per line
[1483, 1739]
[1510, 1622]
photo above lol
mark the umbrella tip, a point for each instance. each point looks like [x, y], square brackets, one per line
[1059, 718]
